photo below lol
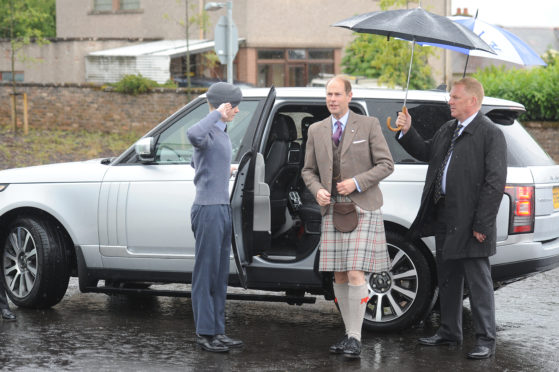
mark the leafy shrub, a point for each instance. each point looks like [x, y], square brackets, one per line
[536, 88]
[134, 84]
[169, 84]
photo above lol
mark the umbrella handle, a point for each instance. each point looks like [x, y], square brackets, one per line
[389, 119]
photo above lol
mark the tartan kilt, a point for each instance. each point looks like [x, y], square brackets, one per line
[363, 249]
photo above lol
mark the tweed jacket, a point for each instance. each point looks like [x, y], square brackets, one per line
[364, 155]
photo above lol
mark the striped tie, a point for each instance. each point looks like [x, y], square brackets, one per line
[439, 180]
[337, 136]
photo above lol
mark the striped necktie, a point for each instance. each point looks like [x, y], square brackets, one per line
[439, 180]
[337, 136]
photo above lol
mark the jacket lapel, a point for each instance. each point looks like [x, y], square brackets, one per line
[471, 128]
[349, 132]
[325, 137]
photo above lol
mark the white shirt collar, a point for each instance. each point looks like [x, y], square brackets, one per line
[468, 120]
[342, 120]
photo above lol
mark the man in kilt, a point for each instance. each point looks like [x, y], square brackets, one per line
[346, 158]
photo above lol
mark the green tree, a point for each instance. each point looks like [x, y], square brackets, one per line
[38, 15]
[373, 56]
[199, 18]
[536, 88]
[24, 21]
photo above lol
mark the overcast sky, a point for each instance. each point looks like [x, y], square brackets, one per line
[535, 13]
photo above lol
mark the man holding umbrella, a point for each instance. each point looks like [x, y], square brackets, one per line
[461, 197]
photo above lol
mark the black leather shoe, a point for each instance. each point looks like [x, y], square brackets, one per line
[481, 352]
[211, 343]
[228, 341]
[338, 347]
[8, 315]
[352, 348]
[436, 340]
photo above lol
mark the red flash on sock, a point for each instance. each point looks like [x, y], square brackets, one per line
[336, 299]
[364, 300]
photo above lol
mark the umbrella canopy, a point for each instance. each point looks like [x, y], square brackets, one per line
[507, 46]
[415, 25]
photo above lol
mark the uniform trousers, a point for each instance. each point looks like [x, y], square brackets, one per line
[211, 225]
[3, 298]
[452, 273]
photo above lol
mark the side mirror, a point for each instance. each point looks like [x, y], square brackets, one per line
[145, 149]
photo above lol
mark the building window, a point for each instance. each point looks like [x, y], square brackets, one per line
[129, 4]
[271, 54]
[296, 53]
[109, 6]
[7, 76]
[271, 74]
[103, 5]
[293, 67]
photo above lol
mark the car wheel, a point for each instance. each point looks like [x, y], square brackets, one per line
[403, 295]
[35, 265]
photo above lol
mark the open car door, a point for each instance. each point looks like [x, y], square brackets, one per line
[250, 201]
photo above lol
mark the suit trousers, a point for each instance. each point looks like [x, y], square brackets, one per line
[3, 298]
[452, 274]
[211, 225]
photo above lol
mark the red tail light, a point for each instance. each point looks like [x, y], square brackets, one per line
[522, 209]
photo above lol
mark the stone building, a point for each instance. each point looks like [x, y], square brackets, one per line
[281, 42]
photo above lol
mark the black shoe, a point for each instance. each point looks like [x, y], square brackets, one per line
[228, 341]
[8, 315]
[436, 340]
[211, 343]
[338, 347]
[352, 348]
[480, 352]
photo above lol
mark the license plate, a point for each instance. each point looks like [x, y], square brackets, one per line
[556, 197]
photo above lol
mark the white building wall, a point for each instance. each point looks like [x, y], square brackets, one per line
[110, 69]
[61, 61]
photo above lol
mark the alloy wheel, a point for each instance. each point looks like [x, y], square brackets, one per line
[392, 292]
[20, 262]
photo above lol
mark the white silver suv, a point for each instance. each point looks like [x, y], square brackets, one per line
[121, 224]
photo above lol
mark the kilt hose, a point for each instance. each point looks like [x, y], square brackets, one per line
[363, 249]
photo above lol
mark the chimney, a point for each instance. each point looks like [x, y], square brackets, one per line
[458, 11]
[466, 12]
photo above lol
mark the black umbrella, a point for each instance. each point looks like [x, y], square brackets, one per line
[415, 25]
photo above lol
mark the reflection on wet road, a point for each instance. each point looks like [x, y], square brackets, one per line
[99, 332]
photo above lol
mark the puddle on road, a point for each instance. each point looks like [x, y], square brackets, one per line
[101, 333]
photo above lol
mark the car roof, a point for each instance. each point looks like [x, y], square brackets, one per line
[415, 95]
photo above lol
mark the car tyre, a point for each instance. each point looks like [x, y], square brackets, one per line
[405, 293]
[35, 268]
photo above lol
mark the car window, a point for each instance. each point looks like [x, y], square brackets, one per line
[427, 119]
[522, 149]
[173, 146]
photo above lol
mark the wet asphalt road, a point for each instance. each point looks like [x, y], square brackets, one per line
[96, 332]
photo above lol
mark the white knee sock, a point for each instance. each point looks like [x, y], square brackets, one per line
[341, 293]
[358, 296]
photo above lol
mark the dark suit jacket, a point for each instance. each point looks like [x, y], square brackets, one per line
[475, 184]
[364, 155]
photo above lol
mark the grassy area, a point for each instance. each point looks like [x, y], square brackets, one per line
[55, 146]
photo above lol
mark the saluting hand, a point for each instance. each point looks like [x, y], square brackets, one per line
[225, 111]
